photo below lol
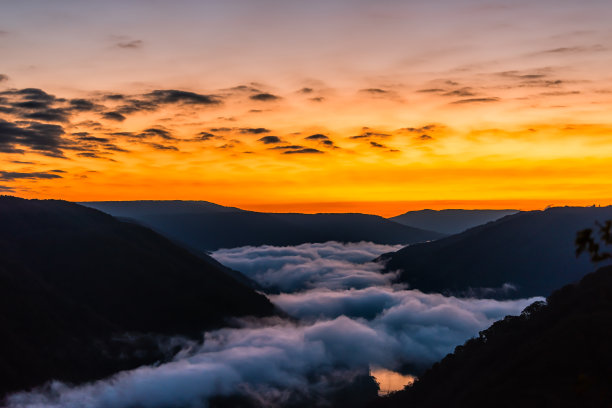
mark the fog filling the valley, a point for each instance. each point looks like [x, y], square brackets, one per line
[350, 317]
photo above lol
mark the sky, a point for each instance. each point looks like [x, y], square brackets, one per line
[345, 105]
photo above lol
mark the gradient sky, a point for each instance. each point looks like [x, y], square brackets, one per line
[347, 105]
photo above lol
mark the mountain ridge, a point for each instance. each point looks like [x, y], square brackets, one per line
[450, 221]
[75, 281]
[553, 354]
[532, 250]
[211, 230]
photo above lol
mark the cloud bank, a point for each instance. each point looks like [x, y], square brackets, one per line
[330, 265]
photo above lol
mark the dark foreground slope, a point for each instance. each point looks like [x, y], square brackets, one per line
[450, 221]
[532, 250]
[207, 226]
[557, 355]
[72, 279]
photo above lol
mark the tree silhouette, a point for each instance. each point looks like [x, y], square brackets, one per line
[586, 242]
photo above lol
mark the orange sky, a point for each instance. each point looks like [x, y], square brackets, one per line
[487, 107]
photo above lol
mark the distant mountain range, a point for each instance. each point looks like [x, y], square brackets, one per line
[450, 221]
[532, 251]
[72, 279]
[206, 226]
[554, 355]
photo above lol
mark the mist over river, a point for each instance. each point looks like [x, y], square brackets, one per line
[347, 318]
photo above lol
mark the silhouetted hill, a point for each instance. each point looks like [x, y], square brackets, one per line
[134, 209]
[449, 221]
[554, 355]
[532, 250]
[74, 280]
[204, 229]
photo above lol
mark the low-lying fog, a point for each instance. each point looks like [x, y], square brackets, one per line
[349, 318]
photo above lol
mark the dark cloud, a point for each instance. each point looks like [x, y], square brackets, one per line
[303, 151]
[270, 140]
[475, 100]
[88, 138]
[367, 135]
[206, 136]
[167, 96]
[152, 101]
[317, 99]
[47, 115]
[287, 147]
[547, 83]
[156, 131]
[245, 88]
[115, 116]
[224, 130]
[31, 105]
[520, 75]
[32, 94]
[374, 91]
[264, 97]
[91, 124]
[421, 129]
[137, 105]
[3, 77]
[574, 50]
[158, 146]
[90, 155]
[227, 146]
[317, 136]
[327, 142]
[253, 131]
[113, 148]
[133, 44]
[532, 79]
[82, 105]
[425, 137]
[374, 144]
[560, 93]
[12, 175]
[431, 90]
[6, 189]
[41, 137]
[306, 90]
[114, 97]
[35, 104]
[124, 134]
[463, 92]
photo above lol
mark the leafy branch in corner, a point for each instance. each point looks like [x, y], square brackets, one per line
[586, 242]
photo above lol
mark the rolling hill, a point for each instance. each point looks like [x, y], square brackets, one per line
[532, 251]
[83, 295]
[450, 221]
[554, 355]
[206, 226]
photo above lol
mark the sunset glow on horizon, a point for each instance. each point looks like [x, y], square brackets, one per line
[283, 106]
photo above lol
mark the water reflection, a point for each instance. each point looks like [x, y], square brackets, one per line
[390, 381]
